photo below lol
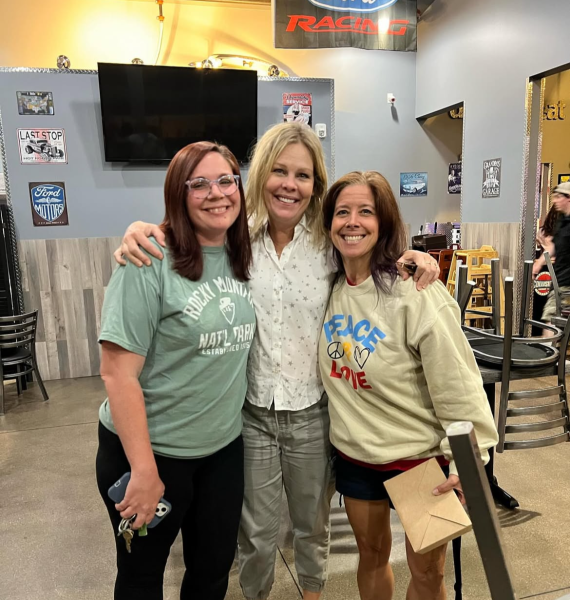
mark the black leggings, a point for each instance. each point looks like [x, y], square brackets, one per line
[206, 496]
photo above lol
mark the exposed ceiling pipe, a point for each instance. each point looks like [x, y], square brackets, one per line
[161, 29]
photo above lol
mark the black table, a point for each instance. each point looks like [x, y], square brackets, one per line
[491, 377]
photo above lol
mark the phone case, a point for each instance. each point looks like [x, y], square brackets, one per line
[117, 492]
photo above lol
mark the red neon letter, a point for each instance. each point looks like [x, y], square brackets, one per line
[304, 22]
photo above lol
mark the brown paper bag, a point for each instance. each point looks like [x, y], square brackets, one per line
[429, 521]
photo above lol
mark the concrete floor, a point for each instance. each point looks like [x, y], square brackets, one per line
[55, 539]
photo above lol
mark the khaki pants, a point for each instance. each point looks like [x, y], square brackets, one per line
[290, 450]
[549, 309]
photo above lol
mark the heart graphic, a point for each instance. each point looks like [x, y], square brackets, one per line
[361, 356]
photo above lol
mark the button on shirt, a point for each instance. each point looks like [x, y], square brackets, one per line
[290, 296]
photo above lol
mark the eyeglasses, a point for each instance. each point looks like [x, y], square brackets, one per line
[201, 187]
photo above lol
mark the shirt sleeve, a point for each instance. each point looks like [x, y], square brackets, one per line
[132, 307]
[454, 381]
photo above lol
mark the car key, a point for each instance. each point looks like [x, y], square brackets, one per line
[126, 531]
[128, 537]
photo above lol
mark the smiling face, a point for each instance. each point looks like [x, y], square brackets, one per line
[214, 215]
[354, 227]
[289, 188]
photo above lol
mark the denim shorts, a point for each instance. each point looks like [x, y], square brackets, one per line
[364, 483]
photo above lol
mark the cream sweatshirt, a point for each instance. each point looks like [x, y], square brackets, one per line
[398, 371]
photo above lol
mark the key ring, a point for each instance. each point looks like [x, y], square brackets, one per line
[126, 523]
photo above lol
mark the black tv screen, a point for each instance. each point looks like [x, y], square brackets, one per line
[150, 113]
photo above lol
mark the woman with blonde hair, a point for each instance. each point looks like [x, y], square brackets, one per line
[285, 415]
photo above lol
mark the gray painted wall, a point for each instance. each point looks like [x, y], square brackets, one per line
[482, 53]
[369, 135]
[372, 135]
[103, 198]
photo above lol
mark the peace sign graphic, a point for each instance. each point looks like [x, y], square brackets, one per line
[335, 350]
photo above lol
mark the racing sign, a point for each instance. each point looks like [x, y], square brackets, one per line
[40, 146]
[49, 206]
[368, 24]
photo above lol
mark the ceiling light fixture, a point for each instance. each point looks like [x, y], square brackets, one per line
[236, 61]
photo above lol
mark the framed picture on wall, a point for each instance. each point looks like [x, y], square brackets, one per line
[35, 103]
[454, 178]
[492, 178]
[413, 184]
[563, 178]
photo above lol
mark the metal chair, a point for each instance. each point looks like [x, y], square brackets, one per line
[509, 352]
[482, 510]
[18, 351]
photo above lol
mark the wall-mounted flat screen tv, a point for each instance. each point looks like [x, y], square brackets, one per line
[149, 113]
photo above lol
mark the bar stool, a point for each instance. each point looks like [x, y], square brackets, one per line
[510, 352]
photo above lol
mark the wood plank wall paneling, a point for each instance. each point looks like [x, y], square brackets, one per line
[504, 237]
[66, 280]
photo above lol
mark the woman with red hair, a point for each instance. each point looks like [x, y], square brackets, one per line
[175, 340]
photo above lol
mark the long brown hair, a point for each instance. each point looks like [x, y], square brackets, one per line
[550, 221]
[180, 235]
[391, 231]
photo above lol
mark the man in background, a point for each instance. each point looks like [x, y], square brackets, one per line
[559, 247]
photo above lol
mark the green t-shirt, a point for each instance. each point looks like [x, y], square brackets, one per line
[195, 337]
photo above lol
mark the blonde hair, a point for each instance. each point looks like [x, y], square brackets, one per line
[266, 152]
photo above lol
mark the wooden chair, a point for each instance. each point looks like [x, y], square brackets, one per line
[18, 351]
[444, 259]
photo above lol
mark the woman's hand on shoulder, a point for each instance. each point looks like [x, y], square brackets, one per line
[135, 238]
[427, 271]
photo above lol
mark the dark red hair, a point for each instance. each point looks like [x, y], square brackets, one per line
[180, 235]
[391, 231]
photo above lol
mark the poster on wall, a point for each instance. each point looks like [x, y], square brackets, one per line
[40, 146]
[492, 178]
[454, 178]
[298, 108]
[49, 204]
[563, 178]
[413, 184]
[35, 103]
[367, 24]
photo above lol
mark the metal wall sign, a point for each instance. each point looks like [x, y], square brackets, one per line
[454, 178]
[49, 205]
[35, 103]
[492, 178]
[367, 24]
[40, 146]
[413, 184]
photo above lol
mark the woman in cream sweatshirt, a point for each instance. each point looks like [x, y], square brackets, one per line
[398, 370]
